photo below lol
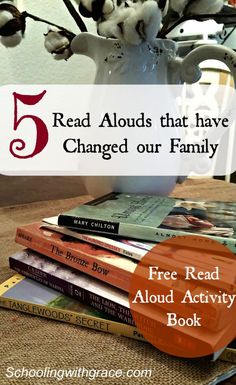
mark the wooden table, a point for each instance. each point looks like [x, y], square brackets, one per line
[27, 340]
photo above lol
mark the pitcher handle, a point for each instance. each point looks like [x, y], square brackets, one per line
[190, 71]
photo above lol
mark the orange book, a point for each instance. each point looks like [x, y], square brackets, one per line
[111, 268]
[90, 259]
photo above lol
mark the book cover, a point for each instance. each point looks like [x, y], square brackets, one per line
[102, 264]
[89, 290]
[102, 296]
[154, 218]
[73, 283]
[107, 266]
[128, 247]
[25, 295]
[110, 267]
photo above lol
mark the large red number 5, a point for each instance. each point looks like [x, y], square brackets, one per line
[41, 128]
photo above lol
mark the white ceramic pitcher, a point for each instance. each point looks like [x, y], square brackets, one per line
[156, 63]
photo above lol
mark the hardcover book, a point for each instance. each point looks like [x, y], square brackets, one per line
[154, 218]
[73, 283]
[110, 267]
[128, 247]
[102, 264]
[105, 297]
[89, 290]
[24, 295]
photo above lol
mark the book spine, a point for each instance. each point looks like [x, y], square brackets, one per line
[228, 355]
[95, 225]
[78, 260]
[71, 317]
[111, 247]
[175, 334]
[118, 312]
[152, 234]
[50, 248]
[163, 234]
[99, 324]
[108, 244]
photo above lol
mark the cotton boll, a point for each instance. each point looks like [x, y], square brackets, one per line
[63, 56]
[178, 5]
[96, 9]
[132, 36]
[133, 28]
[108, 7]
[198, 7]
[113, 26]
[134, 22]
[152, 18]
[11, 41]
[108, 28]
[11, 2]
[12, 24]
[58, 43]
[143, 24]
[54, 41]
[87, 4]
[84, 11]
[5, 16]
[164, 6]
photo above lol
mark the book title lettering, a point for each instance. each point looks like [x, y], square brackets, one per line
[80, 261]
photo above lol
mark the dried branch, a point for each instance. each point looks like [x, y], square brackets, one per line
[36, 18]
[75, 15]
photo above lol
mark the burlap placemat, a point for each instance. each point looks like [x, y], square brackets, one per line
[36, 343]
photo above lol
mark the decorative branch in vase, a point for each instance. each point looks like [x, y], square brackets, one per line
[130, 21]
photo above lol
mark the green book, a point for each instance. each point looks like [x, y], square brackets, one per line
[154, 218]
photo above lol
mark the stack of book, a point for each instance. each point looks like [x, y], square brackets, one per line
[77, 266]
